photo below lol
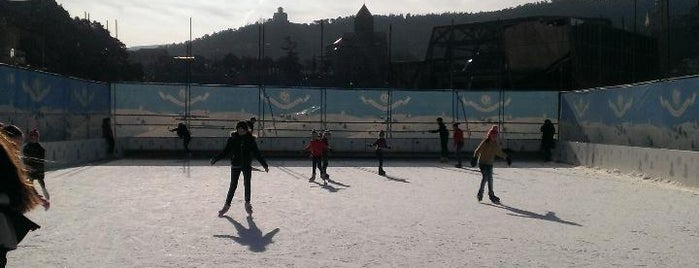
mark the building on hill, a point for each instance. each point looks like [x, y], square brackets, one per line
[535, 53]
[280, 16]
[359, 58]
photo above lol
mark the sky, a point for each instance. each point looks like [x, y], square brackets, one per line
[156, 22]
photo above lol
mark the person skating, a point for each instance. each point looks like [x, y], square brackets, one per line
[485, 155]
[547, 141]
[458, 143]
[380, 145]
[108, 135]
[325, 138]
[184, 134]
[34, 160]
[315, 149]
[17, 196]
[242, 147]
[443, 140]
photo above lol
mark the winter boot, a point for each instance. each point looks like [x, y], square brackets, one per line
[248, 208]
[223, 210]
[494, 199]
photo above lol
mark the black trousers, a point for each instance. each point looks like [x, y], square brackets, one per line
[444, 142]
[379, 155]
[235, 175]
[317, 164]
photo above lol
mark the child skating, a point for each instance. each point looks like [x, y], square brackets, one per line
[242, 147]
[485, 155]
[325, 138]
[380, 145]
[34, 159]
[315, 149]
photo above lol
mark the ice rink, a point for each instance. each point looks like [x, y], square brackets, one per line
[163, 213]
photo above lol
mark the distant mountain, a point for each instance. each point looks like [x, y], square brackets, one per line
[411, 33]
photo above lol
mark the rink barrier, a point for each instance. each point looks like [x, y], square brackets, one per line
[286, 146]
[62, 154]
[676, 166]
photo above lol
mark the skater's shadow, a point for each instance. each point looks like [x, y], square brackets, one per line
[328, 187]
[338, 183]
[549, 216]
[251, 237]
[396, 179]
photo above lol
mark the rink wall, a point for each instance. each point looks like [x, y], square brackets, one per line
[650, 129]
[666, 164]
[293, 146]
[61, 154]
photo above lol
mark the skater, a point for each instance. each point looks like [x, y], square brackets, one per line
[443, 140]
[547, 141]
[15, 136]
[108, 135]
[34, 159]
[458, 143]
[380, 145]
[325, 138]
[485, 155]
[185, 135]
[251, 125]
[315, 148]
[242, 147]
[17, 196]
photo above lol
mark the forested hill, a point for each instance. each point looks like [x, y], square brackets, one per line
[411, 33]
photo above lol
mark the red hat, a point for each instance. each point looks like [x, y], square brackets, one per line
[493, 132]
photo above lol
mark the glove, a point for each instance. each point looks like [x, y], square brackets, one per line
[509, 160]
[474, 161]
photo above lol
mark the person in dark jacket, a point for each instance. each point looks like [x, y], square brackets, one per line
[34, 159]
[547, 141]
[242, 148]
[443, 139]
[184, 134]
[108, 135]
[380, 145]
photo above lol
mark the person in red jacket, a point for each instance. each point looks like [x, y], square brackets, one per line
[316, 148]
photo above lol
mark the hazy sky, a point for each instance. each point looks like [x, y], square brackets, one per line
[152, 22]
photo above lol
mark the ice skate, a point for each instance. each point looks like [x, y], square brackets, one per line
[479, 196]
[494, 199]
[313, 178]
[248, 208]
[382, 172]
[223, 210]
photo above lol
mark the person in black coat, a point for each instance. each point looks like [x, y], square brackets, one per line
[443, 139]
[184, 134]
[547, 141]
[242, 148]
[34, 160]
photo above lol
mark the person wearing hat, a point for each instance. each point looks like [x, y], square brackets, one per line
[34, 159]
[485, 155]
[242, 147]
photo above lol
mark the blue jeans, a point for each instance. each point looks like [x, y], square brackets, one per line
[487, 172]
